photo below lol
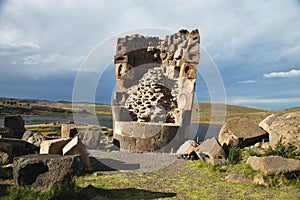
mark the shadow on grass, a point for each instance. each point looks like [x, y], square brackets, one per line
[91, 192]
[3, 189]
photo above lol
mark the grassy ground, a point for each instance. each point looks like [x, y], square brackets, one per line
[181, 180]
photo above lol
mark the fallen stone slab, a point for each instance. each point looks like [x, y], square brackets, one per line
[16, 147]
[272, 165]
[211, 151]
[36, 139]
[44, 171]
[75, 147]
[286, 127]
[266, 123]
[240, 132]
[53, 146]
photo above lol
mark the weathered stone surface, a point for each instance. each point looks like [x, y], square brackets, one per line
[68, 130]
[26, 135]
[44, 171]
[16, 147]
[75, 147]
[266, 123]
[286, 127]
[187, 148]
[238, 178]
[92, 138]
[211, 151]
[240, 132]
[6, 132]
[15, 123]
[155, 85]
[36, 139]
[53, 146]
[272, 165]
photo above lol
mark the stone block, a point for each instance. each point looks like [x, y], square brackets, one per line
[53, 146]
[42, 172]
[75, 147]
[16, 147]
[68, 130]
[16, 123]
[121, 113]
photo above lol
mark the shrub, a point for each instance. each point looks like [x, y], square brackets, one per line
[234, 155]
[285, 151]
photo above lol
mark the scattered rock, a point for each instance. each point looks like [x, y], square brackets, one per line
[272, 165]
[53, 146]
[186, 149]
[265, 145]
[36, 139]
[92, 139]
[286, 127]
[15, 123]
[210, 151]
[16, 147]
[75, 147]
[260, 180]
[238, 178]
[68, 130]
[266, 123]
[240, 132]
[44, 171]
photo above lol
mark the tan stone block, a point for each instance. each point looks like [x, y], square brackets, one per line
[68, 130]
[75, 147]
[53, 146]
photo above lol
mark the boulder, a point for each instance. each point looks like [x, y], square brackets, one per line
[68, 130]
[91, 138]
[211, 151]
[16, 147]
[186, 148]
[75, 147]
[266, 123]
[286, 127]
[6, 132]
[53, 146]
[238, 178]
[272, 165]
[240, 132]
[44, 171]
[15, 123]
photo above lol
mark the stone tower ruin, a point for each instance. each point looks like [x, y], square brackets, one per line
[155, 82]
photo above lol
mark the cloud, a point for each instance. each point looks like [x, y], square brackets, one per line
[16, 48]
[247, 82]
[292, 73]
[39, 59]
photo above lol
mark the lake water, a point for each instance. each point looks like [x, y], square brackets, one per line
[199, 132]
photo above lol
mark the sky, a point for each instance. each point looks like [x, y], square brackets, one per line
[254, 46]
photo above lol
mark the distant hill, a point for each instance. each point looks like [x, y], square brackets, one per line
[202, 111]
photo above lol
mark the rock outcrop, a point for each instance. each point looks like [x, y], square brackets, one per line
[286, 127]
[240, 132]
[155, 82]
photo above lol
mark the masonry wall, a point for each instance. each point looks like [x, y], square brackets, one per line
[155, 81]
